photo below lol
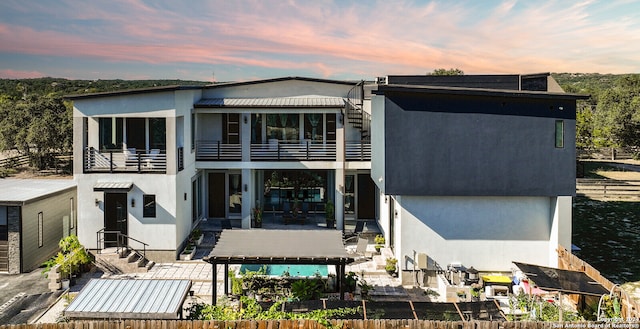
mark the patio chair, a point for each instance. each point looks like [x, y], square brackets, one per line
[361, 248]
[350, 235]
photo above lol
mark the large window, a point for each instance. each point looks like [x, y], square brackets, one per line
[283, 126]
[149, 208]
[111, 133]
[282, 186]
[559, 134]
[139, 133]
[313, 127]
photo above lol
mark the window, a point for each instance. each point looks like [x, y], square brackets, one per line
[157, 133]
[193, 131]
[111, 132]
[149, 208]
[72, 222]
[559, 134]
[313, 127]
[40, 230]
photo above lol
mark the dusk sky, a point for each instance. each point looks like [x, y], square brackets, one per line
[236, 40]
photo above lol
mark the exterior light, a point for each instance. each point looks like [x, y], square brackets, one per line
[133, 203]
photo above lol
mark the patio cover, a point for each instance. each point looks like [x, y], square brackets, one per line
[259, 246]
[129, 299]
[566, 281]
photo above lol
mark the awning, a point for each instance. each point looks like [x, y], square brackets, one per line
[566, 281]
[112, 186]
[129, 299]
[280, 246]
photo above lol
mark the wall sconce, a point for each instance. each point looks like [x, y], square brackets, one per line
[97, 202]
[245, 119]
[133, 203]
[185, 196]
[246, 188]
[386, 199]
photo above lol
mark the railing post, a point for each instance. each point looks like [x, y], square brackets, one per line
[361, 150]
[278, 150]
[138, 155]
[218, 142]
[111, 161]
[307, 150]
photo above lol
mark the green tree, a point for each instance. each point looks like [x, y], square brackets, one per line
[617, 115]
[451, 71]
[39, 126]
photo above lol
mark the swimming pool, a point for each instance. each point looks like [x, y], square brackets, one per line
[294, 270]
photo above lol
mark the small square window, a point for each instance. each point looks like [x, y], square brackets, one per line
[40, 229]
[559, 134]
[149, 209]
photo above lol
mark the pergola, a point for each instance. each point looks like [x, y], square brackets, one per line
[257, 246]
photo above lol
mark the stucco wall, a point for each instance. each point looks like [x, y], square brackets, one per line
[450, 146]
[485, 232]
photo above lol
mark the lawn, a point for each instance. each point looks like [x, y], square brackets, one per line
[609, 234]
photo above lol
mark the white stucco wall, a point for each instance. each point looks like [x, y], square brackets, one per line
[487, 233]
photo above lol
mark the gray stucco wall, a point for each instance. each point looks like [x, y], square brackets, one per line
[476, 146]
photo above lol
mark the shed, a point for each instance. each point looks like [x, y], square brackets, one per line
[34, 215]
[129, 299]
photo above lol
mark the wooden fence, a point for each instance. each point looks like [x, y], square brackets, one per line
[608, 188]
[14, 162]
[608, 153]
[569, 261]
[310, 324]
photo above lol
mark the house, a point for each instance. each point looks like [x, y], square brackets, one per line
[474, 170]
[151, 163]
[34, 215]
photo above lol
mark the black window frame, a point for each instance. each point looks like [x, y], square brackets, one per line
[149, 205]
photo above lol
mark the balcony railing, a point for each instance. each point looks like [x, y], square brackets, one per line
[282, 151]
[125, 161]
[217, 151]
[293, 151]
[357, 151]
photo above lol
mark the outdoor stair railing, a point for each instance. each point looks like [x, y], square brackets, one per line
[121, 241]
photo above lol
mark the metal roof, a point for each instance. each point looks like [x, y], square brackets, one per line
[19, 191]
[129, 299]
[258, 246]
[553, 279]
[268, 102]
[382, 89]
[102, 186]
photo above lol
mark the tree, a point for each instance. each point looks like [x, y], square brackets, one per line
[446, 72]
[617, 115]
[39, 126]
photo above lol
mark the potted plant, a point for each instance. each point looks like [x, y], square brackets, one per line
[257, 217]
[189, 251]
[196, 236]
[329, 210]
[379, 240]
[391, 266]
[350, 281]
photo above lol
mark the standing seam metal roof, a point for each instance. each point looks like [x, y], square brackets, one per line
[272, 102]
[130, 299]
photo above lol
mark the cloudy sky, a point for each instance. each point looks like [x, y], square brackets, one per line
[239, 40]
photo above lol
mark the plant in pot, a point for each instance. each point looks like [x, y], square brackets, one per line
[257, 217]
[350, 281]
[379, 240]
[330, 218]
[391, 266]
[365, 287]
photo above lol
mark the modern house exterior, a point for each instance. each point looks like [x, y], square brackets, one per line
[34, 215]
[477, 170]
[156, 161]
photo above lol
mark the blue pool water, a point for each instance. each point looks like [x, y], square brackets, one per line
[294, 270]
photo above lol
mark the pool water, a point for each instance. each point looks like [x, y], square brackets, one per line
[294, 270]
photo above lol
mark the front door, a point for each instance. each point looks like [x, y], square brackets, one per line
[115, 218]
[217, 195]
[366, 197]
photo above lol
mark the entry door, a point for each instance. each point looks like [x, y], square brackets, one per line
[217, 195]
[115, 217]
[366, 197]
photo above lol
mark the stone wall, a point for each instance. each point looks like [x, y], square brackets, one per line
[13, 220]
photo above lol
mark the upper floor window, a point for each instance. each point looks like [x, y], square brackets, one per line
[136, 133]
[559, 134]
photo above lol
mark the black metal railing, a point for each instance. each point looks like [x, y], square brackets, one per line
[118, 240]
[293, 151]
[154, 161]
[357, 150]
[207, 150]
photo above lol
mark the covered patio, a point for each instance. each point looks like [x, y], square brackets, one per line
[259, 246]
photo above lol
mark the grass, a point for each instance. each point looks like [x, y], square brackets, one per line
[596, 169]
[608, 232]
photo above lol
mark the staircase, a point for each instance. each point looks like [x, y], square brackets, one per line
[355, 115]
[127, 260]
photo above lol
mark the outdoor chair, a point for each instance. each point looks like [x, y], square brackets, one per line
[350, 235]
[361, 248]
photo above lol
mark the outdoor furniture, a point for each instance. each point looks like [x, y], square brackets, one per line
[356, 231]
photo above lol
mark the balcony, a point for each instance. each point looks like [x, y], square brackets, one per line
[217, 151]
[357, 150]
[277, 150]
[117, 161]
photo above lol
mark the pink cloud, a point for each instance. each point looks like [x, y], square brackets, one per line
[14, 74]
